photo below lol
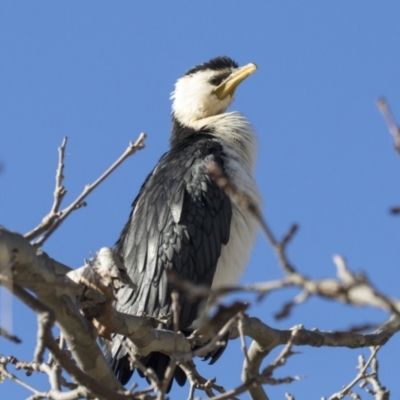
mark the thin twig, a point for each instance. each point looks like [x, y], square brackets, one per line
[361, 375]
[283, 355]
[247, 203]
[150, 375]
[176, 310]
[169, 372]
[394, 129]
[60, 190]
[59, 193]
[9, 336]
[242, 338]
[196, 380]
[69, 365]
[210, 345]
[79, 201]
[8, 375]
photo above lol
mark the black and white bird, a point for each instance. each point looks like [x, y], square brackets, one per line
[181, 219]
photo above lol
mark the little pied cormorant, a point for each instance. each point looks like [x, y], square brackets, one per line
[181, 219]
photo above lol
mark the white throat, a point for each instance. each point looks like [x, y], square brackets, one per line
[193, 99]
[236, 134]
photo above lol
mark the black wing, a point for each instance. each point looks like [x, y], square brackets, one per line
[179, 221]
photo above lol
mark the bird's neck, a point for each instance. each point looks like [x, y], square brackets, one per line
[231, 129]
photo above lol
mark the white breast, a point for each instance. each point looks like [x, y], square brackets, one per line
[236, 253]
[240, 147]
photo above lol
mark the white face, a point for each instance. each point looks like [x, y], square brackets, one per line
[193, 97]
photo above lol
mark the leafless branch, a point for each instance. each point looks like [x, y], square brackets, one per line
[9, 336]
[362, 375]
[246, 202]
[5, 374]
[59, 193]
[175, 311]
[92, 288]
[32, 266]
[377, 390]
[283, 355]
[169, 372]
[94, 385]
[54, 393]
[242, 338]
[55, 217]
[60, 190]
[265, 339]
[351, 289]
[394, 129]
[150, 375]
[199, 382]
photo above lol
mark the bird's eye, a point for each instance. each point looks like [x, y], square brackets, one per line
[217, 80]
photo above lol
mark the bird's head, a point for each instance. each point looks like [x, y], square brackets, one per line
[207, 89]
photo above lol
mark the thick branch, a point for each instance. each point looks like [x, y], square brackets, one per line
[48, 280]
[265, 339]
[29, 268]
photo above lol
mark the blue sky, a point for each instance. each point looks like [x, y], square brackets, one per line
[101, 72]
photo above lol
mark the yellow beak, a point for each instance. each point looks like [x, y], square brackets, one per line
[230, 84]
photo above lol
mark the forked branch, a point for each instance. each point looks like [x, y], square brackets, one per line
[56, 216]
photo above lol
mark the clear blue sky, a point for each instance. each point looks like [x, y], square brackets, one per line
[100, 72]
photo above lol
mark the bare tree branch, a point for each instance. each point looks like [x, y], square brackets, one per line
[5, 374]
[394, 129]
[9, 336]
[55, 217]
[29, 266]
[80, 303]
[380, 393]
[78, 332]
[378, 390]
[59, 193]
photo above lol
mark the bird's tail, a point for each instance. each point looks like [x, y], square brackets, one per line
[159, 362]
[118, 359]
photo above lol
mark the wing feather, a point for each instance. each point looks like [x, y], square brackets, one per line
[180, 220]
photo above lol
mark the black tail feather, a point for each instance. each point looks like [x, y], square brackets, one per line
[159, 362]
[122, 369]
[214, 355]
